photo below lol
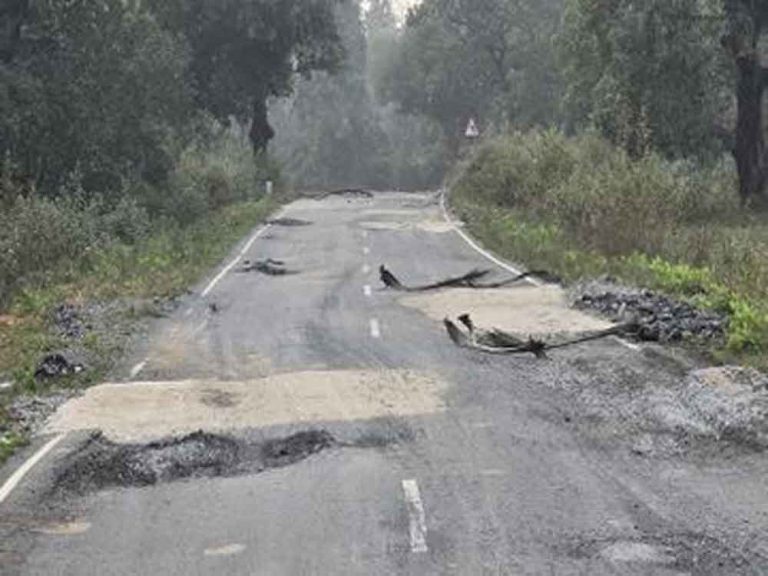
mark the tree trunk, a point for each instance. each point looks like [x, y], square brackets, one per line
[261, 132]
[749, 150]
[12, 15]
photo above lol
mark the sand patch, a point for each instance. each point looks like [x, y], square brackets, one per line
[145, 411]
[431, 226]
[523, 310]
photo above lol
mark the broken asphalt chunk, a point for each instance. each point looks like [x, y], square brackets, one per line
[57, 365]
[471, 279]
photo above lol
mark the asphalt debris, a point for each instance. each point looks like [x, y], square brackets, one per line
[68, 322]
[57, 365]
[471, 279]
[101, 464]
[289, 222]
[496, 341]
[286, 451]
[659, 318]
[270, 267]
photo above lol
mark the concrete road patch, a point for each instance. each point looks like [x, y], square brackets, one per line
[523, 310]
[144, 411]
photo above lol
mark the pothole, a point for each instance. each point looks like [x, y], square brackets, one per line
[103, 464]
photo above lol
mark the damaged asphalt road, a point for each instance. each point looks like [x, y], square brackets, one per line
[341, 432]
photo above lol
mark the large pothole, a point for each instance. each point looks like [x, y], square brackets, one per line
[102, 464]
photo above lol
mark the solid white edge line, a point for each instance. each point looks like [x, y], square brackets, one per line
[375, 328]
[475, 246]
[367, 290]
[136, 370]
[417, 517]
[242, 253]
[24, 469]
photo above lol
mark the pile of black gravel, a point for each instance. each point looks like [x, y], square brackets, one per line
[660, 318]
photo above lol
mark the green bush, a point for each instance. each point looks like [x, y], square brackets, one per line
[581, 207]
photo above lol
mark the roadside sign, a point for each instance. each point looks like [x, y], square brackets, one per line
[472, 130]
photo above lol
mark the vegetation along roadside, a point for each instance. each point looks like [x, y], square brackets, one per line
[582, 208]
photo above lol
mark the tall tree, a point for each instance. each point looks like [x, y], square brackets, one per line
[643, 72]
[746, 22]
[245, 51]
[487, 59]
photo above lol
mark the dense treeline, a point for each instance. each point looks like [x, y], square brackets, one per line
[683, 78]
[338, 131]
[120, 117]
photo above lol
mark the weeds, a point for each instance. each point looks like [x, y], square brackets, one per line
[581, 208]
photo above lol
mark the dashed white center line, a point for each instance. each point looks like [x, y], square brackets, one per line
[417, 517]
[368, 291]
[138, 368]
[366, 250]
[366, 269]
[375, 328]
[365, 233]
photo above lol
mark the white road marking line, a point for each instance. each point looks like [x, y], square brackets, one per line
[365, 233]
[242, 253]
[231, 550]
[366, 250]
[493, 473]
[417, 517]
[375, 328]
[368, 291]
[24, 469]
[188, 312]
[6, 385]
[138, 368]
[628, 344]
[366, 269]
[478, 248]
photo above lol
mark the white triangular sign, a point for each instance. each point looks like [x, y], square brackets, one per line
[472, 131]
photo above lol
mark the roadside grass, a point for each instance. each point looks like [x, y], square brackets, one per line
[163, 265]
[582, 209]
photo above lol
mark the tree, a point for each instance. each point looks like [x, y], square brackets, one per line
[92, 87]
[484, 59]
[645, 73]
[746, 21]
[245, 51]
[328, 132]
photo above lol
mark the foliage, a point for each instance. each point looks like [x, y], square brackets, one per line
[582, 208]
[491, 60]
[333, 133]
[650, 75]
[45, 240]
[244, 51]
